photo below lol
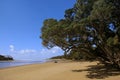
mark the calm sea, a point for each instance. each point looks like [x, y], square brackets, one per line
[6, 64]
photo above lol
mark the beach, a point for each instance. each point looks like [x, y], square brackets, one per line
[62, 70]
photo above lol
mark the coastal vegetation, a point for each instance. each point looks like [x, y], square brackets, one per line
[4, 58]
[91, 28]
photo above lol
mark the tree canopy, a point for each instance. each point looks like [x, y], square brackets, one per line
[91, 27]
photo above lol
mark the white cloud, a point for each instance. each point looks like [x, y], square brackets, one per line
[32, 54]
[26, 51]
[11, 48]
[55, 51]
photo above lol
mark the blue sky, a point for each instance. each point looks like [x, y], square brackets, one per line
[20, 23]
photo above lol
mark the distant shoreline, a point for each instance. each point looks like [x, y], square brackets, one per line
[8, 64]
[5, 58]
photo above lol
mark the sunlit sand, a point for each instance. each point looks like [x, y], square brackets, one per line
[62, 70]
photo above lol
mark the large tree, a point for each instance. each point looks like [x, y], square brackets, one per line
[91, 27]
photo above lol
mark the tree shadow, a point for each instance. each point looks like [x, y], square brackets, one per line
[99, 71]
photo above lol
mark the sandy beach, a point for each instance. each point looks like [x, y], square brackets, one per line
[63, 70]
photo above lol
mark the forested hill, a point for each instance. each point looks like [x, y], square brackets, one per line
[2, 58]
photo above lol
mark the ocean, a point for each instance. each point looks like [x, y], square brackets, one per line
[6, 64]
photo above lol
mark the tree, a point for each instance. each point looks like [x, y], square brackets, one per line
[91, 27]
[5, 58]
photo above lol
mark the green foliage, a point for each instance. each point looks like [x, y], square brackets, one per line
[112, 41]
[2, 58]
[85, 29]
[58, 57]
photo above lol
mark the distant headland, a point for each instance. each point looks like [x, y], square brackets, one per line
[4, 58]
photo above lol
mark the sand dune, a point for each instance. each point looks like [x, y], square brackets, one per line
[63, 70]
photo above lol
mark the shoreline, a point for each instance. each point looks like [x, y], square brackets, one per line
[63, 70]
[17, 63]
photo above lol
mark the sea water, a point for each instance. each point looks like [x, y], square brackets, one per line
[6, 64]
